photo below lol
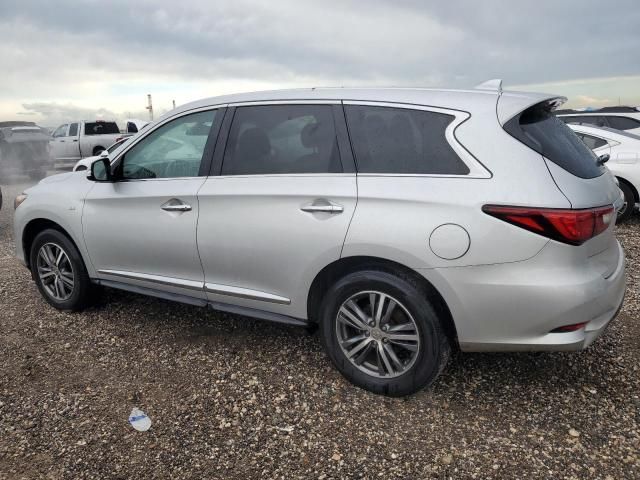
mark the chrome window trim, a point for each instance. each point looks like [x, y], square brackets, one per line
[282, 175]
[476, 168]
[246, 293]
[254, 103]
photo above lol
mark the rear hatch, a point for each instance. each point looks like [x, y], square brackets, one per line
[575, 170]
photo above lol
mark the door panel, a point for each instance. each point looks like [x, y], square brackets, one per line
[258, 245]
[127, 230]
[141, 229]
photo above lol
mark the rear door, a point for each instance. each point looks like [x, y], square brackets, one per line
[280, 209]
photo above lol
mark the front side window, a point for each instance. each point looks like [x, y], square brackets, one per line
[73, 130]
[623, 123]
[61, 131]
[282, 139]
[173, 150]
[398, 140]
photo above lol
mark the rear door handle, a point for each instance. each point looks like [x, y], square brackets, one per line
[175, 205]
[331, 208]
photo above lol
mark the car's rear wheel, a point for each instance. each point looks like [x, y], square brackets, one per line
[629, 203]
[59, 272]
[382, 333]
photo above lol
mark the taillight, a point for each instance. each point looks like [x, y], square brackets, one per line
[564, 225]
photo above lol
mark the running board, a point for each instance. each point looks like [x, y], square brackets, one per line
[201, 302]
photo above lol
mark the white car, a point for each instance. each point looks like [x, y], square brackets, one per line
[623, 149]
[85, 163]
[620, 118]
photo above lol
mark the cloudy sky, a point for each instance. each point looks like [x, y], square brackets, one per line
[91, 58]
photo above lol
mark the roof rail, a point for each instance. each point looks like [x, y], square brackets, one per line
[493, 84]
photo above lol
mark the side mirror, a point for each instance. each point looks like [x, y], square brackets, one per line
[602, 159]
[101, 170]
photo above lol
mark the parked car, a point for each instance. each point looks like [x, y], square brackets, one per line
[620, 118]
[85, 163]
[24, 149]
[77, 140]
[624, 160]
[401, 221]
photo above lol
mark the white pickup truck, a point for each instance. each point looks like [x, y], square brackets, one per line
[73, 141]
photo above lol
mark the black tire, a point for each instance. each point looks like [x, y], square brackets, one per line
[630, 203]
[431, 357]
[82, 293]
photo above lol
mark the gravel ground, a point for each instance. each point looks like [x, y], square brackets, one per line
[231, 397]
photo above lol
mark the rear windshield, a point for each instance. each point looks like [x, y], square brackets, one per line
[100, 128]
[542, 131]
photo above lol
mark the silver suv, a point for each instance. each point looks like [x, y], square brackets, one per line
[402, 222]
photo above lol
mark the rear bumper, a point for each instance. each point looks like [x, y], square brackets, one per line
[514, 307]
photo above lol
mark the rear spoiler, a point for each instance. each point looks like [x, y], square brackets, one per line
[511, 103]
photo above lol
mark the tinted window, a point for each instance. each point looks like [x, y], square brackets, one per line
[275, 139]
[545, 133]
[623, 123]
[173, 150]
[101, 128]
[395, 140]
[73, 130]
[132, 127]
[592, 142]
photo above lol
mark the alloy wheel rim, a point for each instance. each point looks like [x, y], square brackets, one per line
[55, 271]
[377, 334]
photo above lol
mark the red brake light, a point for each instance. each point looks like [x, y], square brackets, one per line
[564, 225]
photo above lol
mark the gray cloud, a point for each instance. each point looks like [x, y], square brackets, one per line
[64, 49]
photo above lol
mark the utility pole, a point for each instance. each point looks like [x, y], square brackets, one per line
[150, 107]
[174, 104]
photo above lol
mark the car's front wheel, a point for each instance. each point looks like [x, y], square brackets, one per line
[382, 333]
[59, 272]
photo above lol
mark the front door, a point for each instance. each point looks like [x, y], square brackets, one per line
[280, 210]
[141, 229]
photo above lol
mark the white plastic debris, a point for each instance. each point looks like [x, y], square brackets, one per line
[139, 420]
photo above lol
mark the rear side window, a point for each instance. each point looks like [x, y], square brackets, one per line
[282, 139]
[623, 123]
[101, 128]
[545, 133]
[398, 140]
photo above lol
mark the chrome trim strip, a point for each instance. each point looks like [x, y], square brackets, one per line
[300, 101]
[159, 279]
[245, 293]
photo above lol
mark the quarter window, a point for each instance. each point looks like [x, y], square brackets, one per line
[282, 139]
[592, 142]
[173, 150]
[396, 140]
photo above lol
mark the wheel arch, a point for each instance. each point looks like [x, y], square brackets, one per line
[631, 186]
[343, 266]
[31, 231]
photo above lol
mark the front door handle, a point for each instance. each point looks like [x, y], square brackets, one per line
[331, 208]
[175, 205]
